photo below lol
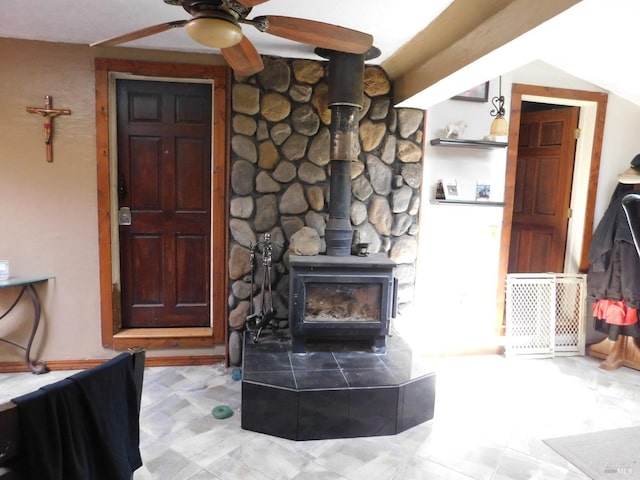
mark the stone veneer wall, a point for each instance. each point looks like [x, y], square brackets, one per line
[280, 176]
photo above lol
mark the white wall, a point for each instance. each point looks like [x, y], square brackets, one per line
[621, 144]
[459, 245]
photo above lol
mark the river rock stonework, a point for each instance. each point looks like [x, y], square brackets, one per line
[280, 177]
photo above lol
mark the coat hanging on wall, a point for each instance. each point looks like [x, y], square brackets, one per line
[613, 280]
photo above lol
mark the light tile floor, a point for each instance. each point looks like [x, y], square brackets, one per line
[491, 416]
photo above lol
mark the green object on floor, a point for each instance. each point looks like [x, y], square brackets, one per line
[221, 412]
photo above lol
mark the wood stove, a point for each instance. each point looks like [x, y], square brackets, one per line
[339, 295]
[341, 298]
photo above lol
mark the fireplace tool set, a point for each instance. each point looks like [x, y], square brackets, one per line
[257, 321]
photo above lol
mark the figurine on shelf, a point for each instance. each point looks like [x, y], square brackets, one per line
[455, 130]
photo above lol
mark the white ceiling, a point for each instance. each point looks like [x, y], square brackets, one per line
[595, 40]
[88, 21]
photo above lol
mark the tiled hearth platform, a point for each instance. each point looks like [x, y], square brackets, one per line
[335, 390]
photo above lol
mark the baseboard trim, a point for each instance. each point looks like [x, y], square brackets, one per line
[177, 361]
[172, 361]
[497, 350]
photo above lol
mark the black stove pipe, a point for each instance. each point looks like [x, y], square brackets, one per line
[346, 84]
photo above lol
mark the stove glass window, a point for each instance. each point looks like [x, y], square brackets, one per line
[343, 302]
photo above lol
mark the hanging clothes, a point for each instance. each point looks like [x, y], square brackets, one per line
[615, 312]
[613, 280]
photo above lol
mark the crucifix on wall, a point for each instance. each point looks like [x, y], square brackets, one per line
[49, 113]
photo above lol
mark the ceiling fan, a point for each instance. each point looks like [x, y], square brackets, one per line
[216, 24]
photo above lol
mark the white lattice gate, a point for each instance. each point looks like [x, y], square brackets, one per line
[545, 314]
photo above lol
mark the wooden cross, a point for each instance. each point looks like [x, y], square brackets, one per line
[48, 112]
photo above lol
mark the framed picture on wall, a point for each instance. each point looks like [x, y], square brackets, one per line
[483, 191]
[479, 93]
[450, 187]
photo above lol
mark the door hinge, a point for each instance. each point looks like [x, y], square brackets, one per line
[569, 212]
[577, 133]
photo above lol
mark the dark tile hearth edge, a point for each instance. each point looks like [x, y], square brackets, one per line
[332, 391]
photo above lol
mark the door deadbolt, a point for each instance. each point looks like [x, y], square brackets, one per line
[124, 216]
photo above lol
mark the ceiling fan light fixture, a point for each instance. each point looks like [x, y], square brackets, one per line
[214, 32]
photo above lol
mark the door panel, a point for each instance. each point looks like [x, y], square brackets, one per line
[164, 172]
[541, 246]
[551, 133]
[142, 178]
[191, 251]
[546, 176]
[146, 271]
[546, 150]
[192, 188]
[518, 200]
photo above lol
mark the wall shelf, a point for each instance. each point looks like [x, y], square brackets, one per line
[465, 143]
[467, 202]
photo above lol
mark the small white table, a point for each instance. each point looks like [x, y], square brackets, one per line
[26, 284]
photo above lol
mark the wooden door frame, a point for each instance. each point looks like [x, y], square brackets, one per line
[585, 180]
[113, 335]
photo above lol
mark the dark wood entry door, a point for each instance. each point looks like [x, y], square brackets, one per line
[544, 173]
[164, 179]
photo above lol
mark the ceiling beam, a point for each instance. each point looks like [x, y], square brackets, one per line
[464, 32]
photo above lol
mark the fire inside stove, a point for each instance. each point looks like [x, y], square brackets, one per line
[337, 302]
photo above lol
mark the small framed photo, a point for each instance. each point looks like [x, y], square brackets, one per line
[450, 187]
[483, 191]
[439, 190]
[479, 93]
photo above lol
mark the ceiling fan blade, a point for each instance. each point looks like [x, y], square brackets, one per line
[319, 34]
[243, 58]
[143, 32]
[251, 3]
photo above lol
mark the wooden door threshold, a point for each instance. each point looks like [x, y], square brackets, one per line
[163, 337]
